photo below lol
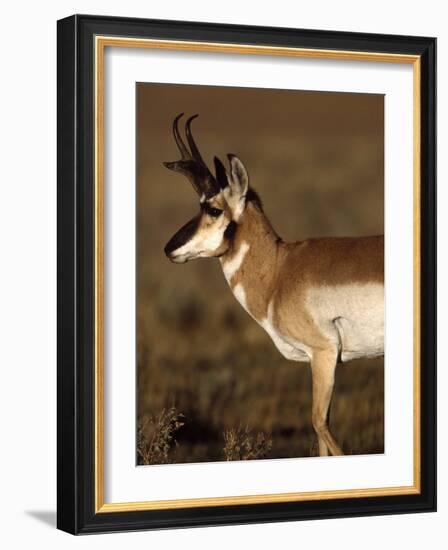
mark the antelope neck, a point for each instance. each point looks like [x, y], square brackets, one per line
[251, 263]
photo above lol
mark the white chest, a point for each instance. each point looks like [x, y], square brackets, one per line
[290, 348]
[231, 267]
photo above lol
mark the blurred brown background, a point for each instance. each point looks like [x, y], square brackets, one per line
[316, 160]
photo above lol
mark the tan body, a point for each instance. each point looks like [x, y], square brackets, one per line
[320, 300]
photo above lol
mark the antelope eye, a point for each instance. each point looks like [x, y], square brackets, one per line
[215, 212]
[212, 211]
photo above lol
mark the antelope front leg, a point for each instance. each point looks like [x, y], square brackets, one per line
[323, 366]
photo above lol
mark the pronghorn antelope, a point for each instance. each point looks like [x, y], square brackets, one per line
[320, 300]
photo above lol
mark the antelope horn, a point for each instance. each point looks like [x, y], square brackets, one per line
[177, 138]
[193, 147]
[191, 164]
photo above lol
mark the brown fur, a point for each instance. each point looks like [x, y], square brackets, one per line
[284, 272]
[279, 275]
[261, 262]
[288, 269]
[336, 260]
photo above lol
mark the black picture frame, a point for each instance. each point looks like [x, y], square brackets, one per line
[76, 286]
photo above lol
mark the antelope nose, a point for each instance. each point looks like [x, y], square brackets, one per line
[171, 245]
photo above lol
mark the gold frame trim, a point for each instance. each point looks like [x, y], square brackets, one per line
[101, 42]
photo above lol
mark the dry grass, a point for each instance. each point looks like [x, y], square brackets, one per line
[156, 443]
[241, 444]
[155, 437]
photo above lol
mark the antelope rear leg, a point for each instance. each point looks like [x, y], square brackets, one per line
[323, 366]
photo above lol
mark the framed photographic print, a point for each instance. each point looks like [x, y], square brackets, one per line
[246, 243]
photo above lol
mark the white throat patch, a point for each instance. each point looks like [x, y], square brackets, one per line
[230, 267]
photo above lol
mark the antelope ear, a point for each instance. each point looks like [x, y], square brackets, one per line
[239, 180]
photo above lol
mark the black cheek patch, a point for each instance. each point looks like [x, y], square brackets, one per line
[230, 231]
[184, 234]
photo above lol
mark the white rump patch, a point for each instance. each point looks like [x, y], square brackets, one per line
[230, 267]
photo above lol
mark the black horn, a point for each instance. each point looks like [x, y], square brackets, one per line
[193, 147]
[177, 138]
[191, 163]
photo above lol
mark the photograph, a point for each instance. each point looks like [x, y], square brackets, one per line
[259, 273]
